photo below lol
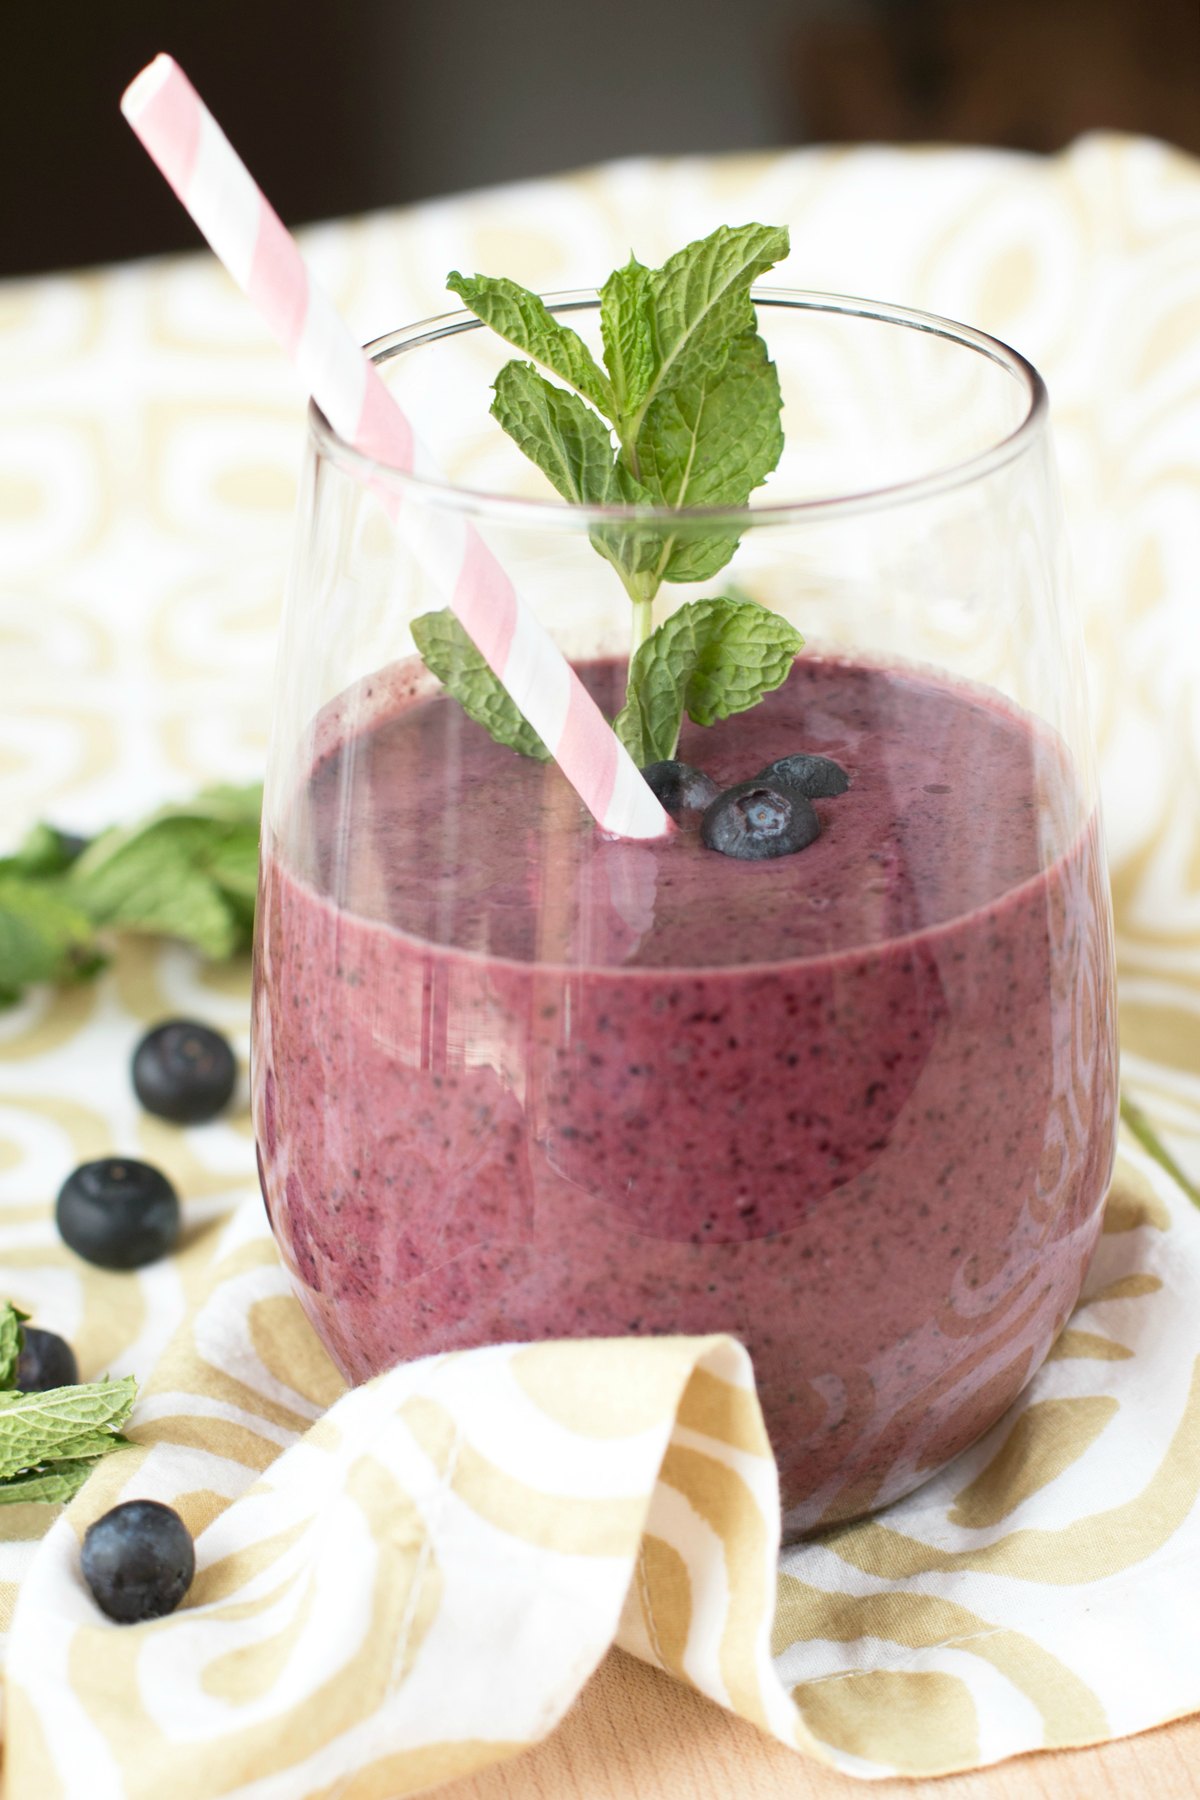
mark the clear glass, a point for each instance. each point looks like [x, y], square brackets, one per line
[856, 1105]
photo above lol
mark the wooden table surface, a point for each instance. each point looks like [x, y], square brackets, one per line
[635, 1734]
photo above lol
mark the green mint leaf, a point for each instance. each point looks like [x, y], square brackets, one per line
[700, 302]
[232, 863]
[226, 803]
[634, 550]
[447, 650]
[707, 431]
[91, 1444]
[189, 871]
[627, 327]
[62, 1423]
[573, 449]
[57, 1483]
[157, 884]
[709, 440]
[711, 658]
[43, 851]
[525, 321]
[45, 935]
[186, 872]
[11, 1340]
[554, 429]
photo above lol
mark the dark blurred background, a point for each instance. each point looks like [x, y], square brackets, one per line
[344, 105]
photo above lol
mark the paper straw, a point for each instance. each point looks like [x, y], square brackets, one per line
[217, 189]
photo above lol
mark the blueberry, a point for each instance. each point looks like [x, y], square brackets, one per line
[46, 1361]
[817, 777]
[758, 819]
[118, 1213]
[138, 1561]
[679, 787]
[184, 1072]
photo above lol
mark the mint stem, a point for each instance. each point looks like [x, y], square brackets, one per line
[1153, 1145]
[643, 624]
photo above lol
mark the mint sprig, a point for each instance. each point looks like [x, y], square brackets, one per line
[685, 414]
[188, 871]
[51, 1441]
[690, 396]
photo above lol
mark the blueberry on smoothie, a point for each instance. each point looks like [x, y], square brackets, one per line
[138, 1560]
[46, 1361]
[817, 777]
[118, 1213]
[184, 1072]
[759, 819]
[679, 787]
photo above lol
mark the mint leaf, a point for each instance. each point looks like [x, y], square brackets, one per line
[186, 872]
[189, 871]
[43, 851]
[635, 551]
[50, 1442]
[45, 935]
[700, 302]
[11, 1340]
[627, 327]
[707, 430]
[57, 1483]
[711, 658]
[91, 1444]
[710, 440]
[64, 1422]
[449, 653]
[569, 443]
[157, 883]
[225, 803]
[524, 320]
[231, 862]
[573, 449]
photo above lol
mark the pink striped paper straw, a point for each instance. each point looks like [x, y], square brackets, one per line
[247, 235]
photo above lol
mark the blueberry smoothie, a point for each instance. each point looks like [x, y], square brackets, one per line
[854, 1105]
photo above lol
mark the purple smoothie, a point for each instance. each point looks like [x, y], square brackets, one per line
[855, 1105]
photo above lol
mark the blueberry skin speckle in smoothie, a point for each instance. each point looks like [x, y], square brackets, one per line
[854, 1105]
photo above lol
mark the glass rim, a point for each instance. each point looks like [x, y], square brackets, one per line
[557, 514]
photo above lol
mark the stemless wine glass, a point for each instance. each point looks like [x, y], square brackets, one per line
[513, 1080]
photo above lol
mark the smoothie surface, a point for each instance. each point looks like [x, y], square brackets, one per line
[953, 801]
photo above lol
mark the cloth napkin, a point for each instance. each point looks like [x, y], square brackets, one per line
[404, 1583]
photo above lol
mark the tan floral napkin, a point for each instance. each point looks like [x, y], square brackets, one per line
[406, 1582]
